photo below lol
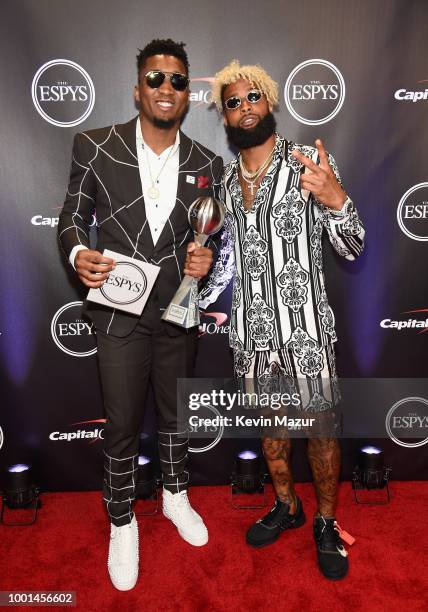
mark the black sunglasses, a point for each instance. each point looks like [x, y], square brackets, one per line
[252, 96]
[155, 78]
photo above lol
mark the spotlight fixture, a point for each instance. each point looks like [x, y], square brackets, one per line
[248, 479]
[20, 494]
[371, 474]
[147, 487]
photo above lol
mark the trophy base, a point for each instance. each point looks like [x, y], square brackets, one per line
[180, 315]
[184, 308]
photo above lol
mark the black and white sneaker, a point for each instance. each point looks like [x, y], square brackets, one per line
[268, 529]
[332, 556]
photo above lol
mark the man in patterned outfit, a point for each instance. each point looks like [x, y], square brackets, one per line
[280, 197]
[140, 179]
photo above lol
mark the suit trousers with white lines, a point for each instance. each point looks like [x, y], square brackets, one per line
[127, 365]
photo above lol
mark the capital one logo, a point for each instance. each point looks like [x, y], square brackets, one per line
[210, 326]
[408, 419]
[201, 90]
[93, 435]
[409, 323]
[412, 212]
[314, 91]
[71, 333]
[52, 222]
[405, 95]
[217, 431]
[63, 93]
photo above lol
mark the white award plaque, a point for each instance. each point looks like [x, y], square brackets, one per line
[128, 286]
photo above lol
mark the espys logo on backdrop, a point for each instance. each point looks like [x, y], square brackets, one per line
[63, 93]
[408, 419]
[81, 434]
[201, 91]
[405, 95]
[216, 430]
[314, 91]
[1, 437]
[412, 212]
[71, 333]
[409, 323]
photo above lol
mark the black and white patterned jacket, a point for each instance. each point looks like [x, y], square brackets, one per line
[105, 180]
[274, 253]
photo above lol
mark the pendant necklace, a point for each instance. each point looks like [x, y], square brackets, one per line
[153, 191]
[251, 177]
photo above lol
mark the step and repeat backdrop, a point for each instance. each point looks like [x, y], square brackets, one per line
[343, 77]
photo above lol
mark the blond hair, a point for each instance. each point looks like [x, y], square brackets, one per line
[255, 74]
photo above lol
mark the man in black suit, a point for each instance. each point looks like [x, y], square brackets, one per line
[140, 179]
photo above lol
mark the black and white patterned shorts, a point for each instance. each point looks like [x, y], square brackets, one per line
[312, 376]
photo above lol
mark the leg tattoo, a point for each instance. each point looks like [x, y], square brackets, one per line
[324, 457]
[277, 455]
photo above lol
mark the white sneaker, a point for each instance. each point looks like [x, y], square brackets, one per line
[190, 526]
[123, 555]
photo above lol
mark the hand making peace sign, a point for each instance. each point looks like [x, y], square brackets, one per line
[321, 180]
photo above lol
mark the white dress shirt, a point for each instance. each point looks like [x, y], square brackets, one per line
[163, 171]
[160, 171]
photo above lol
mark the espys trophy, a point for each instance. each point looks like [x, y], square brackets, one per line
[206, 216]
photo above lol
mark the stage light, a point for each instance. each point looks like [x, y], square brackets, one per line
[20, 494]
[248, 478]
[147, 487]
[371, 474]
[145, 480]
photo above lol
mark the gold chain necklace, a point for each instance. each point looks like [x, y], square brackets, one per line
[153, 191]
[251, 177]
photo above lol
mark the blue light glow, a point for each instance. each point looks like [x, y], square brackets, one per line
[22, 298]
[371, 450]
[142, 460]
[18, 467]
[247, 454]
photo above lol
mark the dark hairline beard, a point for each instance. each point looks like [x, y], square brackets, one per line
[245, 139]
[168, 124]
[164, 124]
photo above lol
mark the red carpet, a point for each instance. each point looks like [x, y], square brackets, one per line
[66, 550]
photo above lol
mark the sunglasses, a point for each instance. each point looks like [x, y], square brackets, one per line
[155, 78]
[252, 96]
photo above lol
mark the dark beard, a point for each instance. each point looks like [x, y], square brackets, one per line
[163, 124]
[245, 139]
[167, 124]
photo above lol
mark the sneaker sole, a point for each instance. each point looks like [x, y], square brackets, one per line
[334, 575]
[194, 541]
[124, 586]
[296, 525]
